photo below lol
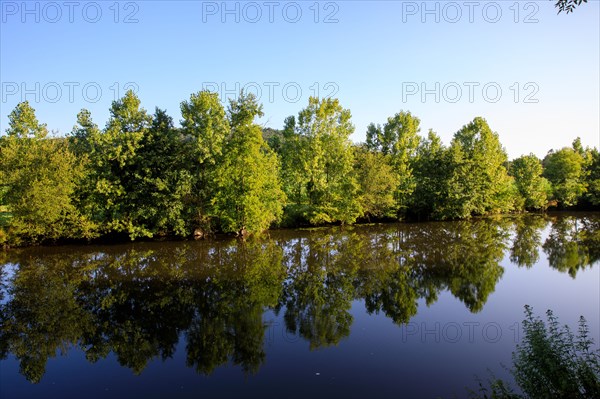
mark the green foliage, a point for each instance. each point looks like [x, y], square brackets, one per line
[533, 188]
[403, 128]
[431, 173]
[318, 161]
[592, 173]
[114, 196]
[39, 176]
[23, 123]
[291, 151]
[164, 180]
[377, 181]
[273, 138]
[84, 134]
[137, 181]
[478, 182]
[568, 6]
[205, 128]
[3, 236]
[399, 140]
[248, 197]
[140, 176]
[374, 141]
[205, 122]
[551, 362]
[398, 136]
[564, 169]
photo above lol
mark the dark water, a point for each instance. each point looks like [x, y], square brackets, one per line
[385, 311]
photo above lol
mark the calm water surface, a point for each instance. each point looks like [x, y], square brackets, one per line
[382, 311]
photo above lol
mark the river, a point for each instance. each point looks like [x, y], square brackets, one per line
[413, 310]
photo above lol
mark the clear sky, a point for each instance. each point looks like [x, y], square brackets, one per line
[533, 74]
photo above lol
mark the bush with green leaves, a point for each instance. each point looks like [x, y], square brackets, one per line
[551, 362]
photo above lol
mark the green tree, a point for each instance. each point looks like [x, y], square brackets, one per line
[551, 362]
[479, 183]
[116, 196]
[249, 196]
[375, 139]
[402, 129]
[139, 160]
[83, 141]
[39, 175]
[273, 138]
[318, 156]
[205, 128]
[377, 182]
[564, 169]
[165, 181]
[593, 177]
[84, 134]
[399, 139]
[527, 171]
[292, 152]
[431, 173]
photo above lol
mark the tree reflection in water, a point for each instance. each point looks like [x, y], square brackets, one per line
[136, 301]
[573, 244]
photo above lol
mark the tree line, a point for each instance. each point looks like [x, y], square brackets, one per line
[220, 171]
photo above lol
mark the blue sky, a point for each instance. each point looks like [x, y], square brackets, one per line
[532, 74]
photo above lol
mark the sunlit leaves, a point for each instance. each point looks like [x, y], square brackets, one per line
[39, 176]
[527, 171]
[248, 195]
[318, 159]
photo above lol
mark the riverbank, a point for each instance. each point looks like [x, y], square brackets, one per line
[123, 238]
